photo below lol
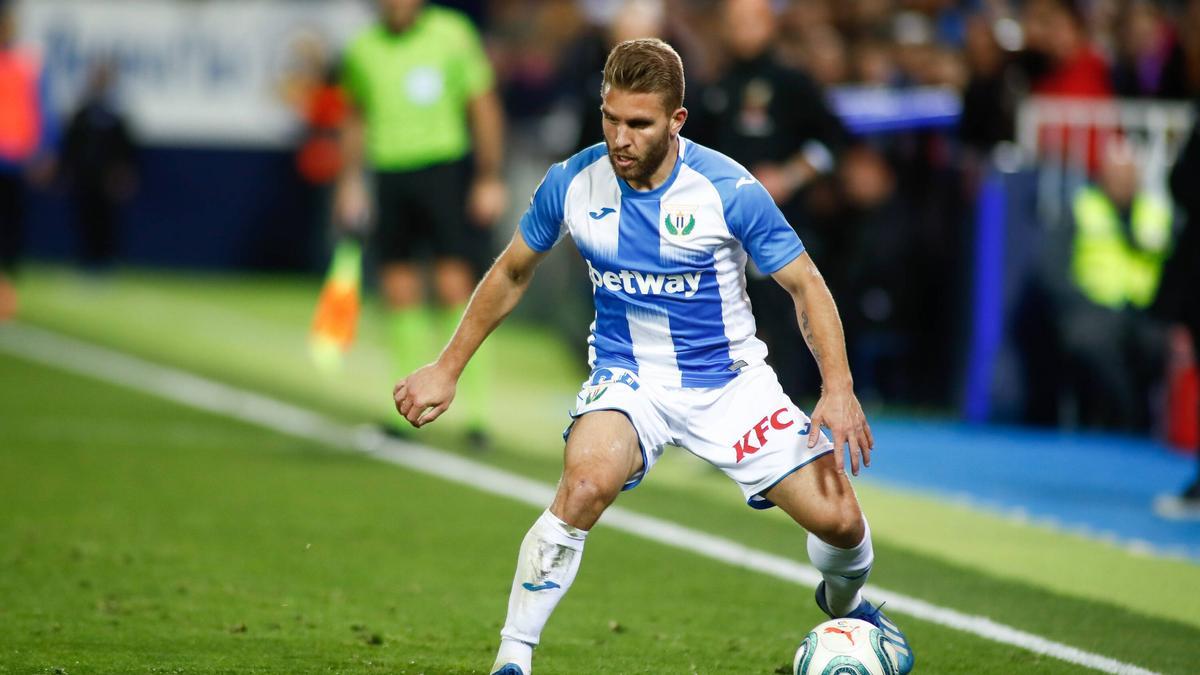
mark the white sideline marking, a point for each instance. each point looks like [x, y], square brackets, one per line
[190, 390]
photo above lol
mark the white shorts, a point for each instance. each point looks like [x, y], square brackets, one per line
[747, 428]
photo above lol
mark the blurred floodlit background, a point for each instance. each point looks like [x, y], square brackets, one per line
[946, 229]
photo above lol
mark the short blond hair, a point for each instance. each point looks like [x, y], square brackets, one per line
[646, 66]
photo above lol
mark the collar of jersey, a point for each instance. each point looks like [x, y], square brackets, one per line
[628, 192]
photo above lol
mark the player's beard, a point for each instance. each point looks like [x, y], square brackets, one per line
[645, 166]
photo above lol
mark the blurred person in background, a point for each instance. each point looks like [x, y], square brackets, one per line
[772, 119]
[1181, 73]
[583, 67]
[422, 96]
[312, 89]
[1122, 234]
[1144, 41]
[1178, 299]
[99, 165]
[993, 89]
[874, 64]
[27, 136]
[528, 42]
[1060, 58]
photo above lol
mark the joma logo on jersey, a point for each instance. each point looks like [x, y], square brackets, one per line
[776, 420]
[645, 283]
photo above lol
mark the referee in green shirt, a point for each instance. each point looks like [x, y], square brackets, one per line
[422, 98]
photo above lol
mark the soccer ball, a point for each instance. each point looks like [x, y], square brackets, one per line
[845, 647]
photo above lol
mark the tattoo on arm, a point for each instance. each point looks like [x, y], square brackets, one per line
[806, 330]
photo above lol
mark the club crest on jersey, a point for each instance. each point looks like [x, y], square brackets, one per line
[679, 219]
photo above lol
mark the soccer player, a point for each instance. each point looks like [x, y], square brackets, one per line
[665, 226]
[423, 99]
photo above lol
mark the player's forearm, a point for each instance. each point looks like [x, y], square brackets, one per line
[494, 298]
[352, 144]
[812, 160]
[487, 134]
[821, 327]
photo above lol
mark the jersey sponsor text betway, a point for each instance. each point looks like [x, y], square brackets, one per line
[633, 282]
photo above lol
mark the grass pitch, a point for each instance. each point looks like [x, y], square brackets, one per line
[138, 536]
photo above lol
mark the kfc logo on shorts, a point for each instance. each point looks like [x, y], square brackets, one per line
[776, 420]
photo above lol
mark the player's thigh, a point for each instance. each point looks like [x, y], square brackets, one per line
[603, 443]
[602, 454]
[821, 499]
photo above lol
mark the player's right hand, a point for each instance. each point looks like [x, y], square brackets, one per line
[423, 396]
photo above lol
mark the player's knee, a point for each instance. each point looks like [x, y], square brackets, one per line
[455, 282]
[584, 494]
[454, 295]
[843, 528]
[401, 290]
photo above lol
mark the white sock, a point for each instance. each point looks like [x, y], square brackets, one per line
[845, 570]
[546, 566]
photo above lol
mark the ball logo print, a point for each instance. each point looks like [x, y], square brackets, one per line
[845, 647]
[840, 631]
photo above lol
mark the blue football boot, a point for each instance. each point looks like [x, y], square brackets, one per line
[875, 616]
[510, 669]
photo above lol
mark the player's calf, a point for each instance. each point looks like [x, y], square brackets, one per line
[546, 567]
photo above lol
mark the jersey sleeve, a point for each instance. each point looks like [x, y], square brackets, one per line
[757, 222]
[476, 69]
[353, 75]
[543, 223]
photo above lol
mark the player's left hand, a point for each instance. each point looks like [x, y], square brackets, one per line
[487, 200]
[424, 395]
[843, 415]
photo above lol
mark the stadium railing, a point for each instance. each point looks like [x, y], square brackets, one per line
[1021, 215]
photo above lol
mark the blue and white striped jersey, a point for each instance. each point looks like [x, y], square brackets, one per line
[667, 265]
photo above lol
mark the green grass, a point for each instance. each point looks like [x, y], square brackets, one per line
[143, 536]
[251, 331]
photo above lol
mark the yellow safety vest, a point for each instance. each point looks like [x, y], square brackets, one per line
[1109, 269]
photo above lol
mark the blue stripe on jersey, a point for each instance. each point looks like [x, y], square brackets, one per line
[697, 324]
[750, 212]
[542, 223]
[707, 363]
[611, 338]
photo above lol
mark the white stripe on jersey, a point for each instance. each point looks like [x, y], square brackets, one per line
[668, 265]
[653, 347]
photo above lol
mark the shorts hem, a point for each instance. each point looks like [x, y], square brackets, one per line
[629, 485]
[763, 504]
